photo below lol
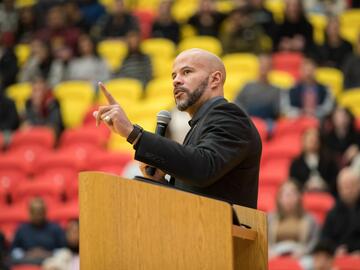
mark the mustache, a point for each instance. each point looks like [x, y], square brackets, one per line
[180, 89]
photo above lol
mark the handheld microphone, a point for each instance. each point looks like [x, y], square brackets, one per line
[163, 119]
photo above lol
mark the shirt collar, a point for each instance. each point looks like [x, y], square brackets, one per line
[201, 112]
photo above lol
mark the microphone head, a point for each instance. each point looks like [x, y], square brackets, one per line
[164, 117]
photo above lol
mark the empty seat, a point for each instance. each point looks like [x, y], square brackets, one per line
[22, 52]
[242, 63]
[284, 263]
[40, 136]
[261, 126]
[208, 43]
[281, 79]
[319, 22]
[347, 262]
[145, 18]
[159, 48]
[26, 267]
[159, 88]
[113, 51]
[286, 146]
[288, 61]
[332, 78]
[266, 198]
[65, 212]
[287, 126]
[83, 135]
[318, 204]
[110, 162]
[350, 24]
[274, 172]
[19, 92]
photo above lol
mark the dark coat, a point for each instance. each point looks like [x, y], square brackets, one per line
[219, 158]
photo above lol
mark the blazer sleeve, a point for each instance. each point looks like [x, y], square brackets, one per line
[225, 140]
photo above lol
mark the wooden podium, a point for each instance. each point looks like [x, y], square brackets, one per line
[131, 224]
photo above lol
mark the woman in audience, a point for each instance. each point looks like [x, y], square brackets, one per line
[42, 109]
[340, 137]
[313, 169]
[88, 66]
[292, 231]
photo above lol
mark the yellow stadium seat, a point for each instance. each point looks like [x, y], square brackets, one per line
[234, 83]
[22, 52]
[158, 88]
[158, 47]
[281, 79]
[113, 51]
[117, 143]
[19, 92]
[351, 99]
[277, 8]
[225, 6]
[350, 24]
[208, 43]
[162, 67]
[123, 90]
[242, 63]
[331, 77]
[75, 98]
[25, 3]
[186, 31]
[183, 10]
[75, 90]
[319, 22]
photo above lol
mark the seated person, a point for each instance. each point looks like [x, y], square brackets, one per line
[9, 119]
[136, 64]
[292, 231]
[42, 109]
[260, 98]
[313, 168]
[342, 224]
[308, 97]
[37, 239]
[351, 67]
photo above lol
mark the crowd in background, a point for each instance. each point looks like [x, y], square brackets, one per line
[63, 38]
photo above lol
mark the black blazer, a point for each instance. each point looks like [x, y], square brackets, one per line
[220, 156]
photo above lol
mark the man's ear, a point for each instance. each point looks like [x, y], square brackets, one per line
[215, 79]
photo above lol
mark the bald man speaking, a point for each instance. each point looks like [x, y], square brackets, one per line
[220, 155]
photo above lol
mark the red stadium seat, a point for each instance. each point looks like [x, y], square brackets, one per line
[284, 263]
[347, 263]
[261, 126]
[274, 172]
[1, 141]
[57, 165]
[83, 135]
[288, 61]
[13, 214]
[145, 18]
[9, 179]
[266, 198]
[357, 124]
[110, 162]
[287, 126]
[65, 212]
[41, 136]
[318, 204]
[285, 147]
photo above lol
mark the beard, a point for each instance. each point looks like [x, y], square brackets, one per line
[191, 98]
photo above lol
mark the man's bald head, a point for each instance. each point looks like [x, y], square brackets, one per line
[348, 184]
[208, 60]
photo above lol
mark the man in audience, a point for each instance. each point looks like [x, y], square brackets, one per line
[8, 65]
[260, 98]
[9, 119]
[342, 224]
[37, 239]
[308, 97]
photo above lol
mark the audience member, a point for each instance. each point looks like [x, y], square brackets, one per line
[321, 258]
[37, 239]
[335, 49]
[8, 16]
[351, 68]
[117, 24]
[8, 65]
[56, 32]
[263, 17]
[295, 33]
[136, 64]
[308, 97]
[334, 7]
[67, 258]
[313, 168]
[340, 137]
[74, 16]
[342, 224]
[92, 10]
[292, 231]
[27, 25]
[242, 34]
[9, 119]
[42, 109]
[207, 20]
[164, 25]
[88, 66]
[260, 98]
[39, 62]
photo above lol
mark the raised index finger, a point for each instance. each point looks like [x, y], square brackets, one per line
[108, 96]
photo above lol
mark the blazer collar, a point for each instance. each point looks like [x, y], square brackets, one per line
[203, 109]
